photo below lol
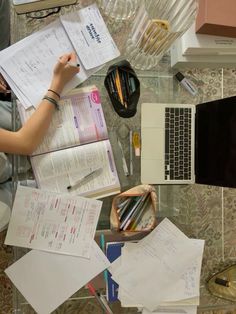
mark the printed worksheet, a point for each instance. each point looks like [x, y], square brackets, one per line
[90, 36]
[53, 222]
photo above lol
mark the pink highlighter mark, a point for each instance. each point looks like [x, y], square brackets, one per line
[95, 97]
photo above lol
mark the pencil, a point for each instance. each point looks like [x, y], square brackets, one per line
[118, 86]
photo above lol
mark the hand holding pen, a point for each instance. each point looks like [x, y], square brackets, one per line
[63, 72]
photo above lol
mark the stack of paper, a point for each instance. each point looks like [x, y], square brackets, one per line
[62, 228]
[28, 65]
[200, 50]
[161, 273]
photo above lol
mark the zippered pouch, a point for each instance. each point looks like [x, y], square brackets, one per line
[123, 87]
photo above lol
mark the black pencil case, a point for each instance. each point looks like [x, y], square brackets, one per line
[123, 87]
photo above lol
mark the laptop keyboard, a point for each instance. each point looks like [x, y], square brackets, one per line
[178, 143]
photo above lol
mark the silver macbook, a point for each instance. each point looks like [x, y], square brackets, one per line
[184, 143]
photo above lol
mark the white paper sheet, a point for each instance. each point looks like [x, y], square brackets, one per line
[46, 280]
[162, 256]
[90, 37]
[53, 222]
[183, 292]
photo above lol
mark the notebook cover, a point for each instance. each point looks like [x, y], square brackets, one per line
[113, 252]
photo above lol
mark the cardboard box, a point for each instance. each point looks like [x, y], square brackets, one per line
[216, 17]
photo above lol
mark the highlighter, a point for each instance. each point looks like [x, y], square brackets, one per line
[136, 143]
[186, 83]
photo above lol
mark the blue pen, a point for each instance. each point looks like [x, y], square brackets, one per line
[102, 244]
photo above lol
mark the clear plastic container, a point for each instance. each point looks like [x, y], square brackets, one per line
[156, 26]
[119, 9]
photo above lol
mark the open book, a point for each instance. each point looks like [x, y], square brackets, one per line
[75, 145]
[27, 65]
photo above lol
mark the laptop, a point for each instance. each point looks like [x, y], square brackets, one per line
[184, 143]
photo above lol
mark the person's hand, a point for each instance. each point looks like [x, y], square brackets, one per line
[65, 69]
[3, 85]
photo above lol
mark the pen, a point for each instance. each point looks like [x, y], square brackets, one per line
[87, 176]
[124, 208]
[125, 168]
[101, 300]
[102, 243]
[137, 218]
[125, 223]
[73, 64]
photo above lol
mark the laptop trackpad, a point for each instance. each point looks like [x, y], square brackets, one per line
[153, 143]
[152, 171]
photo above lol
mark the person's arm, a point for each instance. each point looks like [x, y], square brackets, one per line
[27, 139]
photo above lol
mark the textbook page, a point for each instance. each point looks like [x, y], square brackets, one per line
[90, 36]
[57, 170]
[80, 120]
[53, 222]
[46, 280]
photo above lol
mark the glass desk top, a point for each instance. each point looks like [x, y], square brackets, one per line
[204, 212]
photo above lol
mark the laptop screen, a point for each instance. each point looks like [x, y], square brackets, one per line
[215, 147]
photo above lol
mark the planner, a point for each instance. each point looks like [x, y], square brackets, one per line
[76, 145]
[27, 66]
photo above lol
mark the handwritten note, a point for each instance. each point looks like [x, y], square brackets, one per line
[53, 222]
[164, 256]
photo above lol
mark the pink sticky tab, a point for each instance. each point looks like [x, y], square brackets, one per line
[95, 97]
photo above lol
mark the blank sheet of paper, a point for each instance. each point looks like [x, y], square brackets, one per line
[46, 280]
